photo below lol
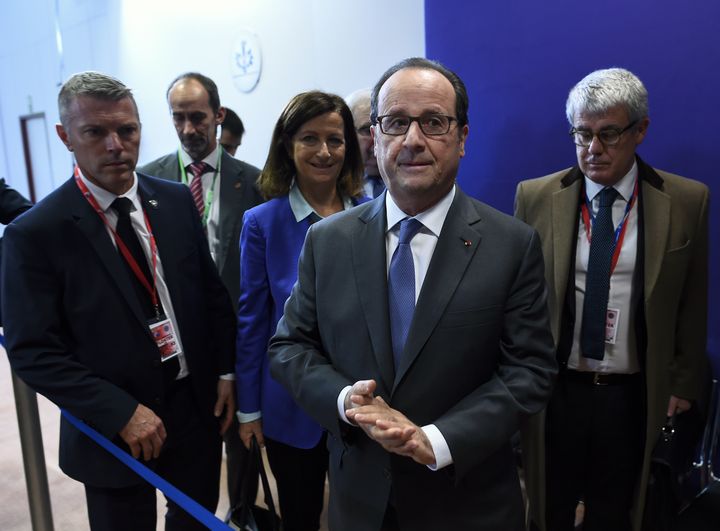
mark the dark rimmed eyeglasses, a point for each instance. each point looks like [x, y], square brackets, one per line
[430, 124]
[607, 137]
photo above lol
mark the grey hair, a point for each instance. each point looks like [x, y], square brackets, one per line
[94, 84]
[356, 98]
[602, 90]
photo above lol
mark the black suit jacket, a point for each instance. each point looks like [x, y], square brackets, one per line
[12, 204]
[75, 331]
[478, 358]
[238, 193]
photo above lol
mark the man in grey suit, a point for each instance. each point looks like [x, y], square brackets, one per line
[223, 189]
[228, 185]
[419, 353]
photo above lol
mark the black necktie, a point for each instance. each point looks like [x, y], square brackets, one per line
[124, 229]
[597, 281]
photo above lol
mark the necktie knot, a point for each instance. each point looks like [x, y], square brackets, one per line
[122, 205]
[607, 197]
[408, 228]
[198, 168]
[196, 189]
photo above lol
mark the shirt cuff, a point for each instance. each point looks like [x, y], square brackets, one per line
[341, 404]
[248, 417]
[439, 446]
[229, 376]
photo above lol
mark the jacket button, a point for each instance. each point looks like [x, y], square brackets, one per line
[387, 474]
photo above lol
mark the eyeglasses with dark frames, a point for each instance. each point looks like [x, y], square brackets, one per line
[607, 137]
[430, 124]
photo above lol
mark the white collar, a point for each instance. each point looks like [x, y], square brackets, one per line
[302, 209]
[105, 198]
[624, 186]
[211, 159]
[432, 219]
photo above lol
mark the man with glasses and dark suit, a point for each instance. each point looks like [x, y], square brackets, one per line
[359, 103]
[417, 333]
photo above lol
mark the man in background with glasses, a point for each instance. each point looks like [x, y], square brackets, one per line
[417, 333]
[625, 250]
[359, 103]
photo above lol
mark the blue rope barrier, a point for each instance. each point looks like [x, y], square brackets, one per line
[197, 511]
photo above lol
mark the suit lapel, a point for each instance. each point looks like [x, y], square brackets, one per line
[655, 223]
[564, 221]
[369, 263]
[171, 165]
[450, 259]
[90, 224]
[230, 193]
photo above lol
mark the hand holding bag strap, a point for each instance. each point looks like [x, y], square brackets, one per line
[256, 458]
[249, 479]
[246, 482]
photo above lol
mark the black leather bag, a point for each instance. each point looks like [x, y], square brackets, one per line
[246, 516]
[668, 490]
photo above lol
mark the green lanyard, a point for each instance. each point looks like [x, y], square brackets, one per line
[211, 191]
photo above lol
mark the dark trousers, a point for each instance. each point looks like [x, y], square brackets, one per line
[189, 460]
[595, 448]
[300, 476]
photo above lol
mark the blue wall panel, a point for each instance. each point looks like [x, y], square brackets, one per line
[519, 59]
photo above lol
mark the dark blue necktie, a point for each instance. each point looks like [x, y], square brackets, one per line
[597, 281]
[401, 287]
[377, 184]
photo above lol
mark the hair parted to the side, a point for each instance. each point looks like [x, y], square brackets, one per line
[601, 90]
[207, 83]
[90, 83]
[461, 97]
[279, 170]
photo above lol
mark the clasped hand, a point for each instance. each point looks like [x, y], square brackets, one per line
[385, 425]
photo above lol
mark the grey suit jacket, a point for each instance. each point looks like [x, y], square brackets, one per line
[479, 357]
[238, 193]
[673, 282]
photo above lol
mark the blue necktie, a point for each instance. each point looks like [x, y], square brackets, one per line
[377, 184]
[401, 287]
[597, 281]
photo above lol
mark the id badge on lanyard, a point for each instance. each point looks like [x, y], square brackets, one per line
[161, 328]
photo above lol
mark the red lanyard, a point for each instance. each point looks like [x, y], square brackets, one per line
[619, 232]
[127, 255]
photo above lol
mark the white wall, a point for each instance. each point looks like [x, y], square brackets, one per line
[332, 45]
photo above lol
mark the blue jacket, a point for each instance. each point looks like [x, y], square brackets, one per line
[270, 244]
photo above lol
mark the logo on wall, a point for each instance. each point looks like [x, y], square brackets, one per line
[246, 61]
